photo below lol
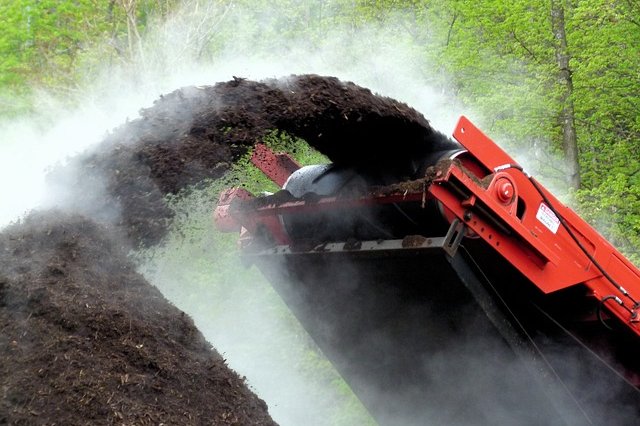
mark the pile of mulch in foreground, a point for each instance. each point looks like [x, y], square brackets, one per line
[86, 340]
[196, 133]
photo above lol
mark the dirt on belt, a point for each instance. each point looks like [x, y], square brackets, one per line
[87, 340]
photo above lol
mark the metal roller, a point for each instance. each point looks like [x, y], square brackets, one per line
[365, 222]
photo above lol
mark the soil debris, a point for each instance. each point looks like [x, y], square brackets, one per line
[86, 340]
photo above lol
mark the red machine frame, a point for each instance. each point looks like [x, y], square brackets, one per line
[494, 199]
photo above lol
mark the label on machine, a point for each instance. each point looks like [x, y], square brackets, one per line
[548, 218]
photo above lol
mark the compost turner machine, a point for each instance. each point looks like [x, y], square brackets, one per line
[453, 290]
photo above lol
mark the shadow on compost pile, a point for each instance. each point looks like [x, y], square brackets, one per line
[86, 340]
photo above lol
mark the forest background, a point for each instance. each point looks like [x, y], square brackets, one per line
[555, 81]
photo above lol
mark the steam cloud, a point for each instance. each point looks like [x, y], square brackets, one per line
[248, 329]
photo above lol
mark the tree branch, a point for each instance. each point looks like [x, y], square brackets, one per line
[633, 5]
[453, 21]
[521, 43]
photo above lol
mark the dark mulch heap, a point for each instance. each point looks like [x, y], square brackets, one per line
[196, 133]
[86, 340]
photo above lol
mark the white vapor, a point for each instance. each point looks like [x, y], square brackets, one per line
[175, 53]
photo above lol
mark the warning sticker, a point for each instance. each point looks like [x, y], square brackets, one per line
[548, 218]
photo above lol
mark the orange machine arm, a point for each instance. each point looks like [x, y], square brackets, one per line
[547, 241]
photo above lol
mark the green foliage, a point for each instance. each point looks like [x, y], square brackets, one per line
[44, 43]
[613, 207]
[300, 151]
[42, 40]
[606, 62]
[244, 174]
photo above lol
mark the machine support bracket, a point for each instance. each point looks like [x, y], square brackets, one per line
[453, 237]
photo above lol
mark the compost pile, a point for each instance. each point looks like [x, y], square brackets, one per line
[85, 339]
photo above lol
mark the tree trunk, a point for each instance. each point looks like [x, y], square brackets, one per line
[131, 9]
[567, 115]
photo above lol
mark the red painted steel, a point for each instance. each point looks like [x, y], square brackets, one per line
[560, 262]
[277, 166]
[498, 202]
[223, 219]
